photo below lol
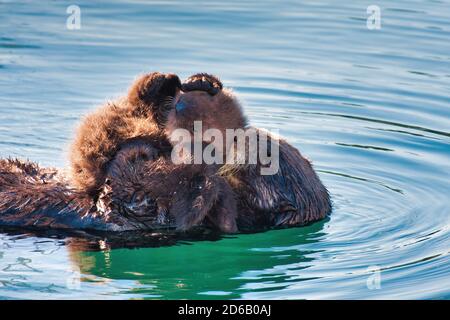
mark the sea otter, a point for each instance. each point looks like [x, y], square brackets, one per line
[138, 194]
[183, 196]
[140, 114]
[124, 180]
[293, 196]
[135, 124]
[122, 175]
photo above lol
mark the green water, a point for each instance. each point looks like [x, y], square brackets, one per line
[221, 269]
[370, 108]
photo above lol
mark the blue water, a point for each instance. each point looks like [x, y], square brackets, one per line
[370, 108]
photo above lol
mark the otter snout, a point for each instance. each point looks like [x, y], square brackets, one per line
[184, 102]
[180, 106]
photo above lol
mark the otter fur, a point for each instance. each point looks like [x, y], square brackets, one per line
[35, 197]
[134, 127]
[141, 114]
[138, 194]
[292, 196]
[123, 180]
[184, 196]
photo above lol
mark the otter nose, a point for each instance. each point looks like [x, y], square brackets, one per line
[180, 106]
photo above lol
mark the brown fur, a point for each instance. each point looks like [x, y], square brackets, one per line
[140, 115]
[139, 194]
[122, 177]
[184, 196]
[293, 196]
[203, 82]
[41, 198]
[221, 111]
[120, 157]
[31, 196]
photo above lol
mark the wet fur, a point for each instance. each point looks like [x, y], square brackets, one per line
[181, 196]
[140, 193]
[293, 196]
[124, 145]
[139, 115]
[35, 197]
[124, 180]
[220, 110]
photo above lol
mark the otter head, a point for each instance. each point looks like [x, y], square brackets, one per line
[204, 99]
[152, 94]
[150, 192]
[127, 193]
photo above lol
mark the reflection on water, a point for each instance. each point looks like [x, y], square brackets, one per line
[370, 108]
[205, 265]
[155, 272]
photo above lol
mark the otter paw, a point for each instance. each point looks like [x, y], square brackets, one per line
[153, 88]
[203, 82]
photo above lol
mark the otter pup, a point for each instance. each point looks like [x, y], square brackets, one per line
[134, 127]
[140, 114]
[294, 195]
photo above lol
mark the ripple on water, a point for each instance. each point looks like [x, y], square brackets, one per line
[369, 108]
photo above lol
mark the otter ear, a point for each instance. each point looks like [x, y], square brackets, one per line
[203, 82]
[153, 87]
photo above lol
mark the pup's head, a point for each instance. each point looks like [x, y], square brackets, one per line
[153, 93]
[204, 99]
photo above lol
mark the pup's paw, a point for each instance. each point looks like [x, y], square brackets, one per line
[153, 88]
[203, 82]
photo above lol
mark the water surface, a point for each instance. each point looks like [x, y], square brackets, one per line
[370, 108]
